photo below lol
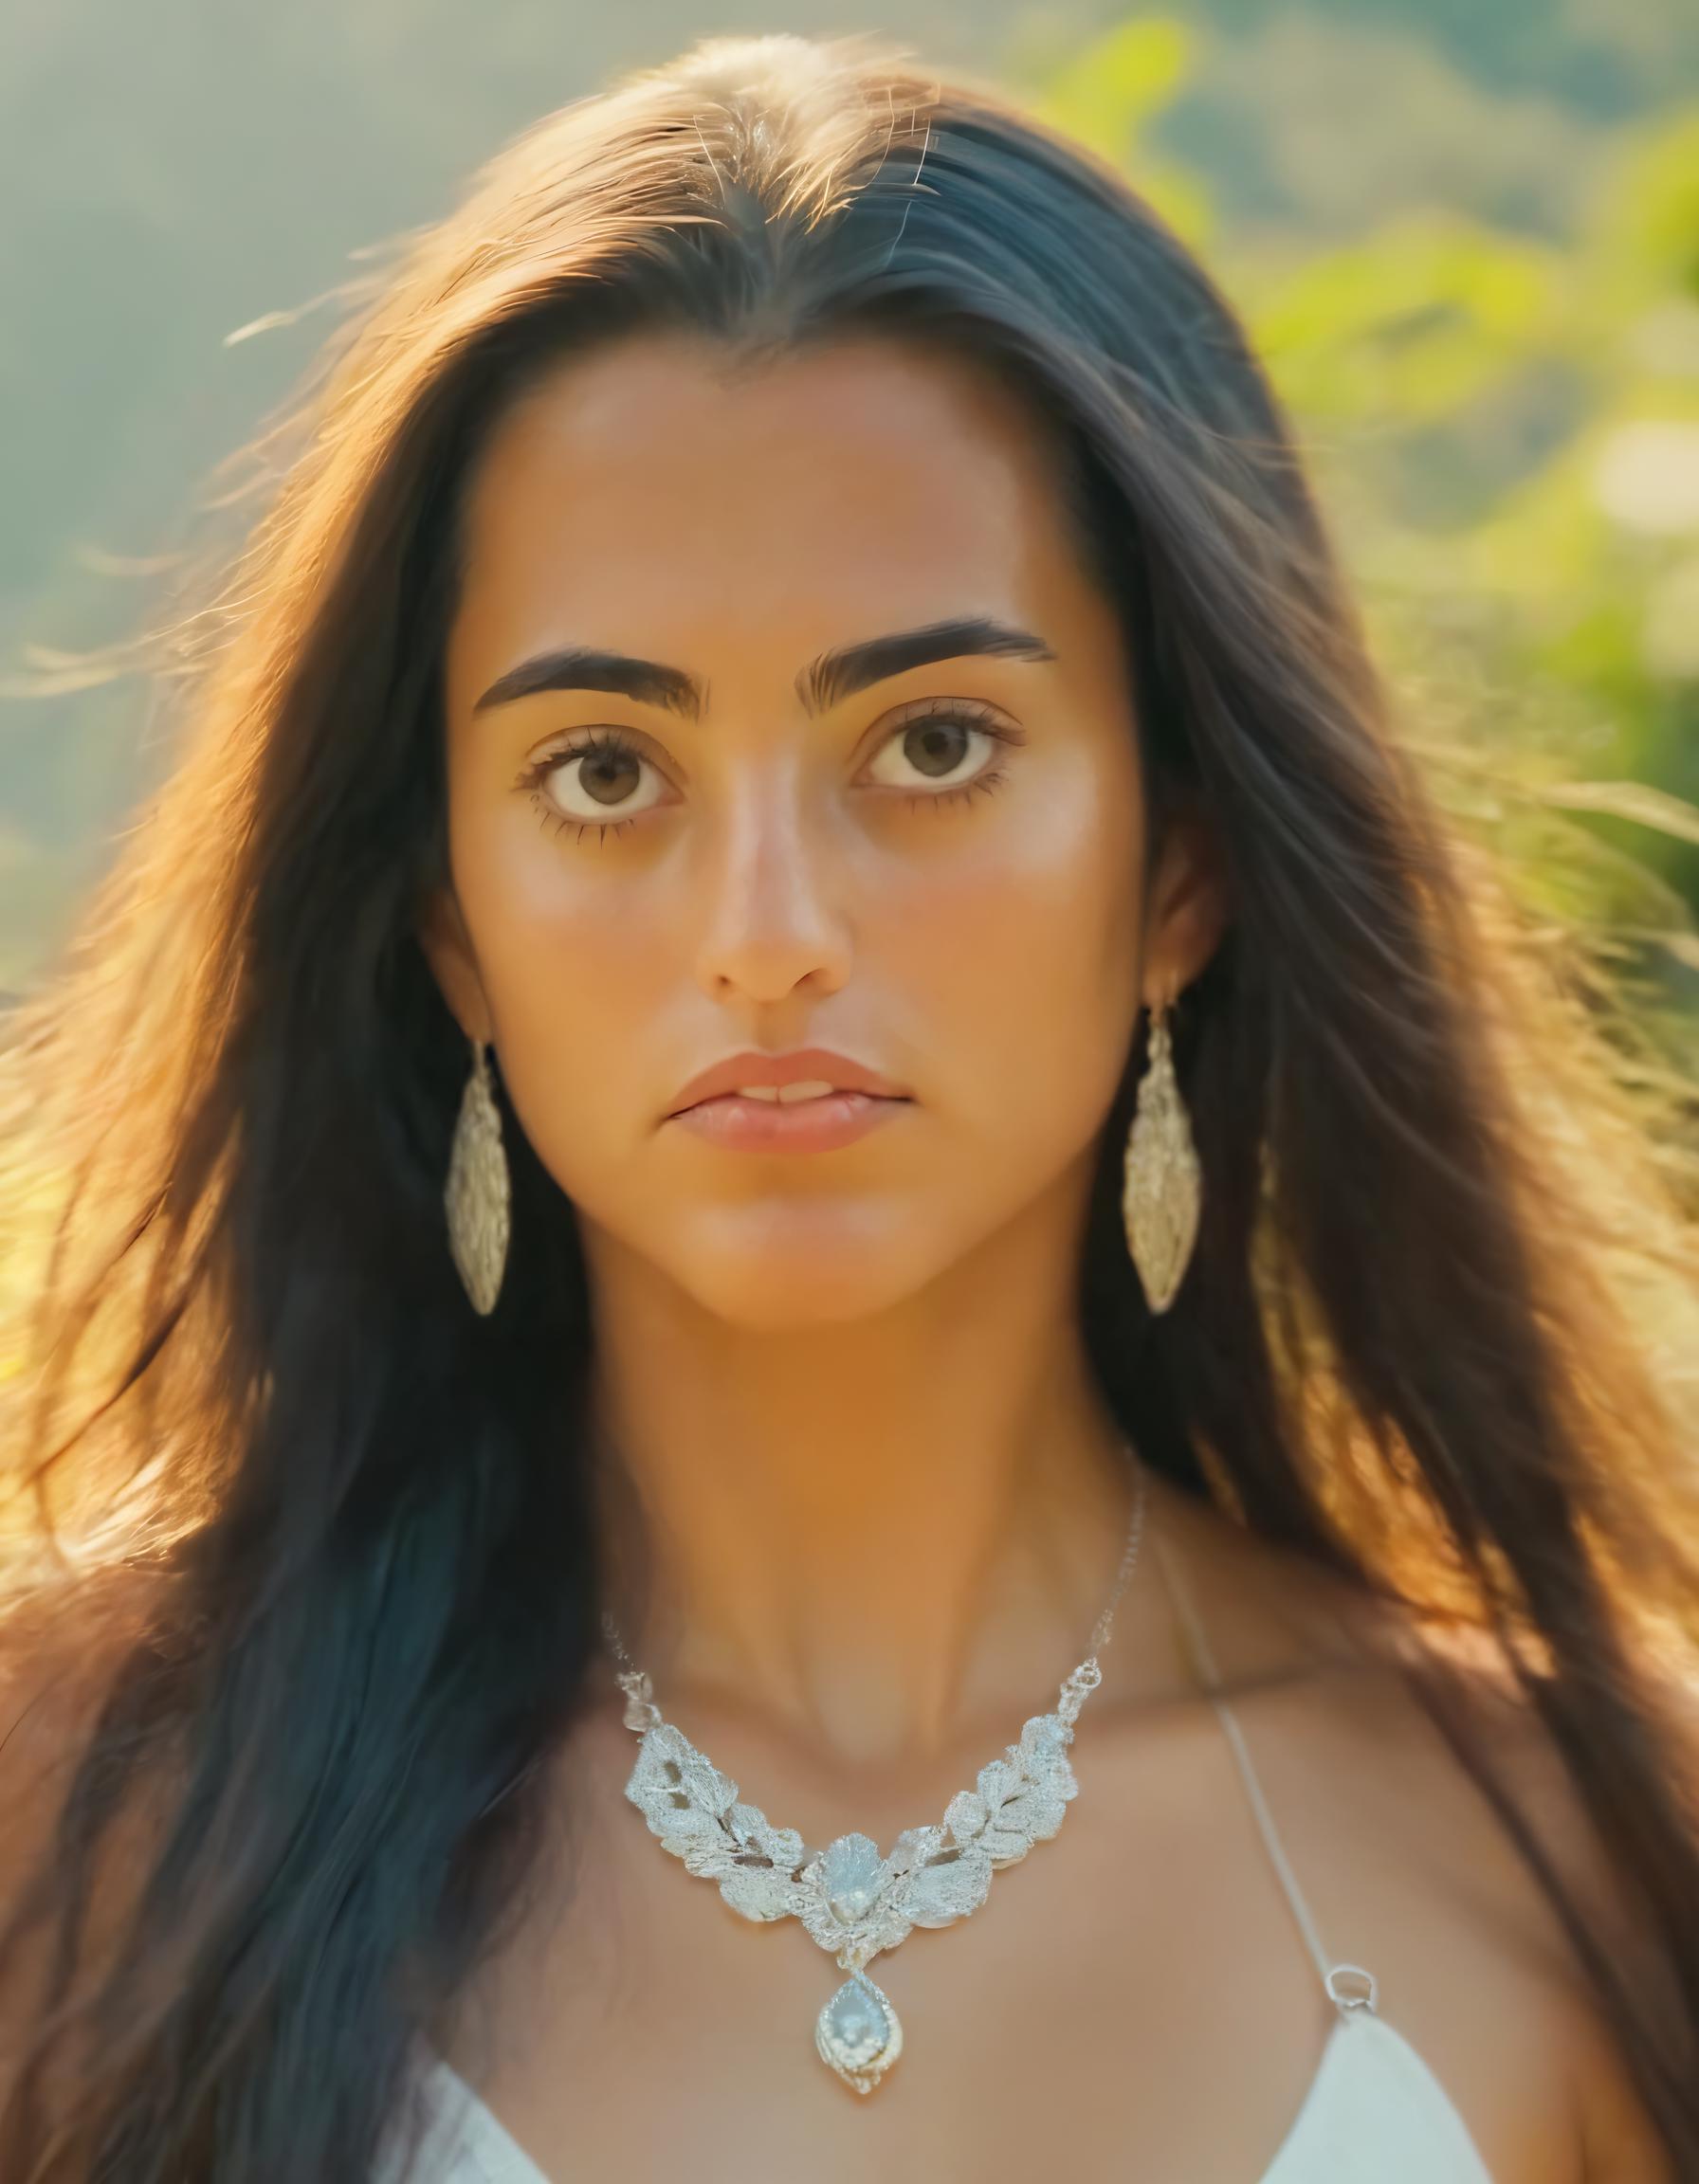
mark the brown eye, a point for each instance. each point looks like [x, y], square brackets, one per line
[593, 780]
[937, 746]
[949, 744]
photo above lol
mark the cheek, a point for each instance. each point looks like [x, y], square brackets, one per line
[572, 965]
[1022, 959]
[537, 901]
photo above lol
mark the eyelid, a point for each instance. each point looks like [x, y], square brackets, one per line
[904, 711]
[584, 740]
[988, 719]
[977, 710]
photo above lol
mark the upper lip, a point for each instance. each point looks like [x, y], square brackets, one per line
[806, 1063]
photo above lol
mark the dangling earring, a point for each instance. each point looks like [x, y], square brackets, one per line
[1162, 1188]
[479, 1192]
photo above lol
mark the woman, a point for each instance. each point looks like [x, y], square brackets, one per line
[791, 1048]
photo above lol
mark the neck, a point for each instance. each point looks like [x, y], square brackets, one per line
[866, 1534]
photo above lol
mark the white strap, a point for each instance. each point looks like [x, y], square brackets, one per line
[1344, 1992]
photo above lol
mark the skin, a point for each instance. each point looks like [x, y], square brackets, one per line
[862, 1502]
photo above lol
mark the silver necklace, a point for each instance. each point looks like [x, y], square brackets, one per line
[852, 1901]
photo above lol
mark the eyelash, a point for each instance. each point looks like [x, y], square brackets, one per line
[615, 739]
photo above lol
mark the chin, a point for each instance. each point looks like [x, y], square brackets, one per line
[822, 1273]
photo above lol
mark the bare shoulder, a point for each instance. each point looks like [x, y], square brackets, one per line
[1617, 2141]
[1411, 1846]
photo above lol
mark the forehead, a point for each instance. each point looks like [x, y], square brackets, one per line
[651, 489]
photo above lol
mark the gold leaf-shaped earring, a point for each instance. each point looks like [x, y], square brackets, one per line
[479, 1191]
[1162, 1187]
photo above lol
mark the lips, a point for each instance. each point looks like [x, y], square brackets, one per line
[820, 1124]
[804, 1064]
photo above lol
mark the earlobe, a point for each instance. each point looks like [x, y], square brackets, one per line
[441, 935]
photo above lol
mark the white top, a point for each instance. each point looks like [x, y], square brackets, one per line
[1374, 2109]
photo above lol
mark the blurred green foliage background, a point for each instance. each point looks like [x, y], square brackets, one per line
[1465, 237]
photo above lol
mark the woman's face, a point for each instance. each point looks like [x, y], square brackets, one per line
[930, 864]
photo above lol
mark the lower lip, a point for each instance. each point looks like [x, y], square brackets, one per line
[795, 1126]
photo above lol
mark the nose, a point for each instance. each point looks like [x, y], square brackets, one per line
[770, 895]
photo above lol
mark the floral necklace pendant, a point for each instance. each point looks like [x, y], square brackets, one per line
[854, 1902]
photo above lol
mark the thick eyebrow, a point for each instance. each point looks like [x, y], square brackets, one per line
[834, 675]
[851, 667]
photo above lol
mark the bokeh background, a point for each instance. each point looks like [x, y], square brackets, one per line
[1465, 236]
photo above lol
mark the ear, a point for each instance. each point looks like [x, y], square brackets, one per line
[441, 935]
[1186, 905]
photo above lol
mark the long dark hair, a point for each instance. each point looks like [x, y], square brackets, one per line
[323, 1535]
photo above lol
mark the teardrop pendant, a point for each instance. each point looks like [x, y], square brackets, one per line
[859, 2033]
